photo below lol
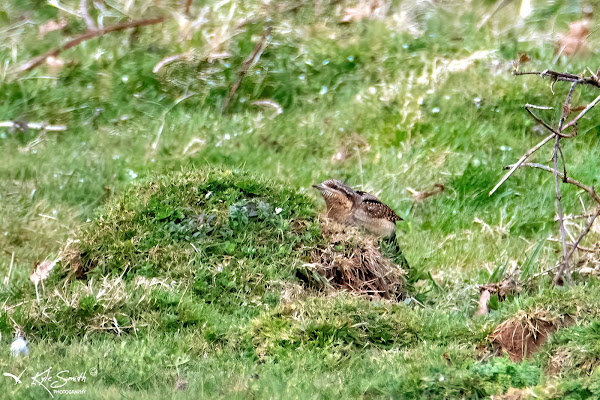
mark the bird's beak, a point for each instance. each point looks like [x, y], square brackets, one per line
[319, 187]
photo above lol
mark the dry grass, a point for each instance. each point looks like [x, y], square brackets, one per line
[354, 262]
[523, 334]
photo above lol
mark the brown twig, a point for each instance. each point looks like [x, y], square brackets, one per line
[37, 61]
[581, 114]
[188, 5]
[562, 77]
[252, 58]
[580, 248]
[563, 235]
[564, 164]
[589, 189]
[540, 121]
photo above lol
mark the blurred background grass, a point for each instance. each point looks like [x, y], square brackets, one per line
[395, 99]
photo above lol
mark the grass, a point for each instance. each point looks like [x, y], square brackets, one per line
[229, 317]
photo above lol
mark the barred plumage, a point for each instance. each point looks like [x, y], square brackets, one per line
[355, 207]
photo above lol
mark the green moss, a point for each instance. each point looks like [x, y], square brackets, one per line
[229, 230]
[347, 320]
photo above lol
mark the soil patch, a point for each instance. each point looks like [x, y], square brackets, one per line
[523, 334]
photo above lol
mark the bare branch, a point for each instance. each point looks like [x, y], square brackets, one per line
[562, 77]
[584, 232]
[563, 236]
[37, 61]
[566, 109]
[581, 114]
[580, 248]
[540, 121]
[525, 156]
[251, 59]
[557, 134]
[589, 189]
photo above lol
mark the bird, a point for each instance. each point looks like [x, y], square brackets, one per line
[355, 207]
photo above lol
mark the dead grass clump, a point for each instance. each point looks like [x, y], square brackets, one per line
[510, 285]
[589, 262]
[71, 257]
[523, 334]
[515, 394]
[566, 359]
[353, 261]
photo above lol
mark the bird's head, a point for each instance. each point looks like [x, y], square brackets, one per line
[339, 199]
[333, 187]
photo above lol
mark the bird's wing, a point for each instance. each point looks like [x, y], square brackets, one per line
[377, 208]
[367, 196]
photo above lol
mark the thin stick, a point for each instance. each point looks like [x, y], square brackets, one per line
[566, 107]
[565, 261]
[589, 189]
[12, 260]
[37, 61]
[525, 156]
[562, 77]
[551, 129]
[253, 57]
[538, 107]
[582, 113]
[564, 164]
[584, 232]
[580, 248]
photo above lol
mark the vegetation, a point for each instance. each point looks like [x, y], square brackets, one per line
[184, 232]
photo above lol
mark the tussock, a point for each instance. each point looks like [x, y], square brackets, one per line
[71, 257]
[354, 262]
[523, 334]
[566, 359]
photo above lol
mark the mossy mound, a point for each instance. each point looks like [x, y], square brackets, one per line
[211, 248]
[345, 320]
[233, 234]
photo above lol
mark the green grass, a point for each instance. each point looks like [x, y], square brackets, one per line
[218, 304]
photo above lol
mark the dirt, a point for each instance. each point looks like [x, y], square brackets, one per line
[523, 335]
